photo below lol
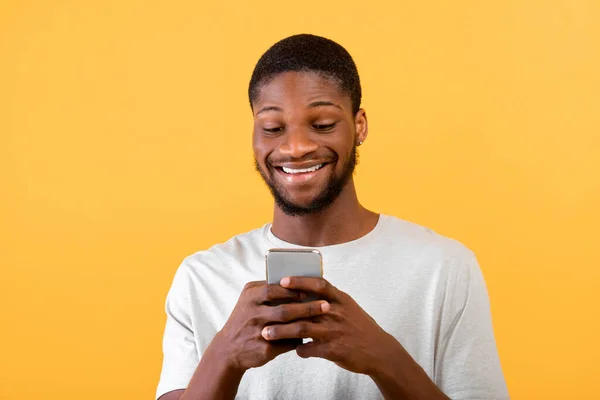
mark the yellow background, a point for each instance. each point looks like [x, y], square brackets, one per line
[125, 146]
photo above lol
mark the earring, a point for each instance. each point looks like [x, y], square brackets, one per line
[359, 143]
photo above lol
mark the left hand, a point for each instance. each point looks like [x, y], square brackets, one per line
[346, 334]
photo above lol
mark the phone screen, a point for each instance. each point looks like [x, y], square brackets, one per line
[293, 262]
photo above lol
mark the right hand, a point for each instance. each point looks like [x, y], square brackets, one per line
[241, 341]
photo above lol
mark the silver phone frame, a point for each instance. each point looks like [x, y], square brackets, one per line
[281, 250]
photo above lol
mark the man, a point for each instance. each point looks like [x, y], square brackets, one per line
[403, 312]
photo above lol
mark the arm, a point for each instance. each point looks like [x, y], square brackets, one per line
[239, 346]
[215, 378]
[398, 376]
[466, 360]
[349, 337]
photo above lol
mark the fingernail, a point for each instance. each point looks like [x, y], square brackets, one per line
[325, 307]
[265, 333]
[285, 282]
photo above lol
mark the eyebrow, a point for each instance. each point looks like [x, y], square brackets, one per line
[323, 104]
[311, 105]
[270, 108]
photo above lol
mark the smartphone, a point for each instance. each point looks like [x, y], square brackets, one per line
[293, 262]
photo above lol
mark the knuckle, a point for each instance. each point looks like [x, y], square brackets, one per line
[251, 285]
[255, 320]
[341, 319]
[281, 313]
[249, 291]
[335, 334]
[313, 309]
[302, 329]
[267, 292]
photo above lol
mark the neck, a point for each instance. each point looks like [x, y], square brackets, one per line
[343, 221]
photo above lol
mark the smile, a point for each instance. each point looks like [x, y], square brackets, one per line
[301, 176]
[301, 170]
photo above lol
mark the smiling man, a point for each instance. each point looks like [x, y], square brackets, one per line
[402, 312]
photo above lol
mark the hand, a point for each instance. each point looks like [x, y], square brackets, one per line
[346, 334]
[240, 339]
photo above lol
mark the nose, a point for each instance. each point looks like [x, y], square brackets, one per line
[298, 143]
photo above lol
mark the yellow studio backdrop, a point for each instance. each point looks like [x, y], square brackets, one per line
[125, 146]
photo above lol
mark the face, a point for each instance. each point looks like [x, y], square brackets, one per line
[304, 140]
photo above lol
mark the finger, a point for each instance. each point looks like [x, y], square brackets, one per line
[267, 293]
[253, 284]
[312, 349]
[299, 329]
[283, 346]
[294, 311]
[310, 284]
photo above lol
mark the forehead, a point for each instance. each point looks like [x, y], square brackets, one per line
[301, 87]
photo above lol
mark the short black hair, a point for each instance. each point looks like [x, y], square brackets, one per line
[308, 53]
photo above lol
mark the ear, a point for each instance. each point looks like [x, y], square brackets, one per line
[361, 125]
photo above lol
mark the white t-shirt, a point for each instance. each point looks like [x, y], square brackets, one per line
[424, 289]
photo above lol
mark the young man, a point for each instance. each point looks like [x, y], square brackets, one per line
[403, 313]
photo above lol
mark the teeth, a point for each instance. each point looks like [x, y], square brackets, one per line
[299, 171]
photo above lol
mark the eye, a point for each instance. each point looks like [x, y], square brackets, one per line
[324, 127]
[273, 131]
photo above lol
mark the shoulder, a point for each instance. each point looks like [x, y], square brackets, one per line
[233, 258]
[424, 241]
[439, 260]
[428, 255]
[236, 246]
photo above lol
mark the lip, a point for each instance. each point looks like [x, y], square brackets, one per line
[303, 165]
[302, 177]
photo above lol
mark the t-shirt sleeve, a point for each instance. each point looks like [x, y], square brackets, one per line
[467, 362]
[180, 355]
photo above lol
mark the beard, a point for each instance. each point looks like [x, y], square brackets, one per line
[323, 200]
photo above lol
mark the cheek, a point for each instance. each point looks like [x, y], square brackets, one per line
[340, 145]
[255, 142]
[261, 150]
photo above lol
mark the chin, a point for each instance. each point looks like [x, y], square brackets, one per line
[303, 200]
[301, 204]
